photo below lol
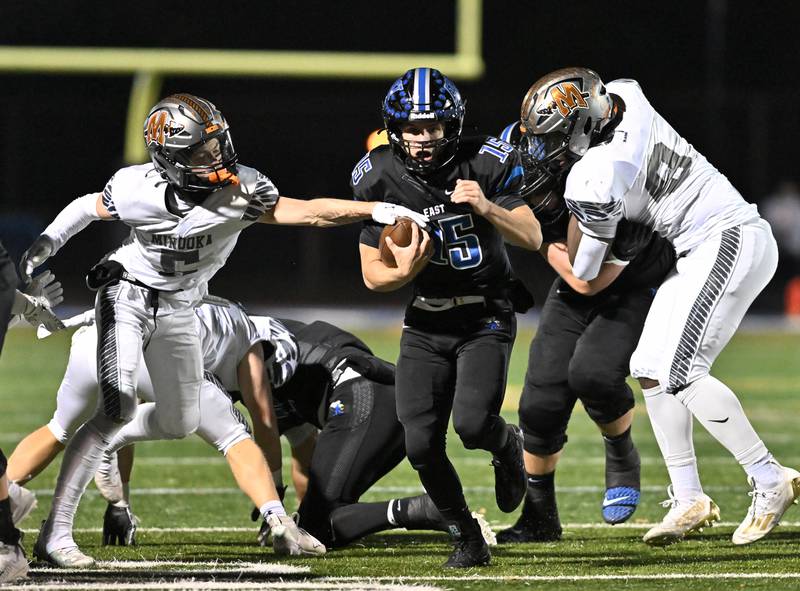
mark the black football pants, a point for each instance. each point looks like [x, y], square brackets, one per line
[362, 441]
[463, 371]
[581, 350]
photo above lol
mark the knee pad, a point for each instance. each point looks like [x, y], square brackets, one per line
[177, 428]
[611, 407]
[3, 463]
[543, 444]
[472, 429]
[544, 413]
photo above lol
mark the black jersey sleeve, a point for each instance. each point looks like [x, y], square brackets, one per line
[499, 165]
[365, 181]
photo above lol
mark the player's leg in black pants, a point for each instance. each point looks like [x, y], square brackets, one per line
[424, 383]
[482, 366]
[597, 373]
[545, 408]
[362, 441]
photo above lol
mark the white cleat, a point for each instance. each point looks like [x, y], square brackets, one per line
[684, 517]
[108, 479]
[71, 557]
[22, 502]
[767, 507]
[290, 540]
[13, 563]
[486, 530]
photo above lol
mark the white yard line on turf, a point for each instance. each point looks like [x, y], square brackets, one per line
[386, 490]
[553, 578]
[195, 584]
[213, 529]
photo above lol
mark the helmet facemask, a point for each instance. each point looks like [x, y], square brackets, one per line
[424, 95]
[190, 144]
[561, 117]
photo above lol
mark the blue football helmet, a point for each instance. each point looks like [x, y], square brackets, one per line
[545, 196]
[422, 95]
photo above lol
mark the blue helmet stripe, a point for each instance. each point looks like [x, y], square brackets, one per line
[422, 88]
[505, 135]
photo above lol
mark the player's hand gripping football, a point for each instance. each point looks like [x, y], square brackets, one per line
[37, 253]
[470, 192]
[387, 214]
[412, 258]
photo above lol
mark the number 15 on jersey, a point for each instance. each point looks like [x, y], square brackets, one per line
[454, 245]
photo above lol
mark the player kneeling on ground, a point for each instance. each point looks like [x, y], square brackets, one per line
[232, 352]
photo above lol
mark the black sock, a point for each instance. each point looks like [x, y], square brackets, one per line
[541, 485]
[355, 521]
[8, 533]
[417, 513]
[461, 524]
[539, 509]
[622, 460]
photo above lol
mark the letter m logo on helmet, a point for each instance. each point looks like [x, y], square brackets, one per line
[567, 97]
[160, 126]
[154, 130]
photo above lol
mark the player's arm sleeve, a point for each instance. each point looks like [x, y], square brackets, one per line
[589, 197]
[282, 362]
[263, 200]
[505, 176]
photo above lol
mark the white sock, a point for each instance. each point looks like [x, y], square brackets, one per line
[81, 459]
[272, 507]
[719, 411]
[672, 426]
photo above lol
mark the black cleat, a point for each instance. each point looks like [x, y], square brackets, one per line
[470, 548]
[510, 481]
[119, 527]
[539, 522]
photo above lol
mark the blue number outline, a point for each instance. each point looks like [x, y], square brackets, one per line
[463, 249]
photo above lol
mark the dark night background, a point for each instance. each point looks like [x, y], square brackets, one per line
[724, 74]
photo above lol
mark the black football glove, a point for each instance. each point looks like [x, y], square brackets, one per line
[631, 239]
[119, 527]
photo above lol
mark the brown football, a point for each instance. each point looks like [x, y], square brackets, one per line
[400, 233]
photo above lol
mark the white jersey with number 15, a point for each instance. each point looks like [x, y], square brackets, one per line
[648, 173]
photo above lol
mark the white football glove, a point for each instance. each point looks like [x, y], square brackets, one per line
[37, 312]
[83, 319]
[387, 214]
[38, 252]
[45, 286]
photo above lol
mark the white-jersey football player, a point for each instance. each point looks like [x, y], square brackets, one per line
[232, 346]
[186, 209]
[623, 160]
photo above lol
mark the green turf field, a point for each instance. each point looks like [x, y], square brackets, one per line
[183, 491]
